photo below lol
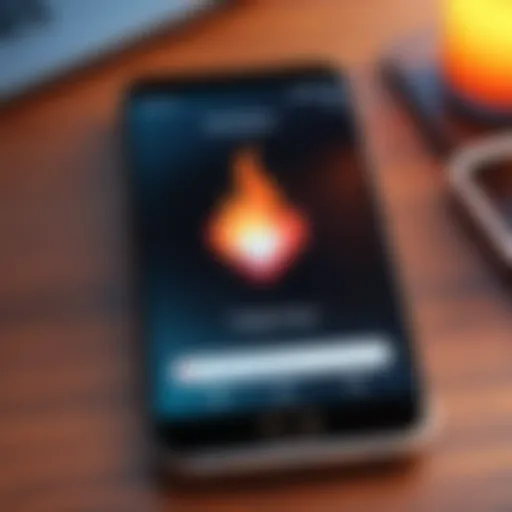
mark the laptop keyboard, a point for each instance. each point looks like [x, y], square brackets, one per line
[17, 15]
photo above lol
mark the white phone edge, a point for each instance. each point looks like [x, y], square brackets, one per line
[306, 454]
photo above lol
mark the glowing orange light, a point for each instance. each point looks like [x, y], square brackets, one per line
[477, 53]
[254, 229]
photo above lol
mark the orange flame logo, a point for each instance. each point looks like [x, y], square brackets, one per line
[255, 230]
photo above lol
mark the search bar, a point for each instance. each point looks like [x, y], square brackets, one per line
[309, 359]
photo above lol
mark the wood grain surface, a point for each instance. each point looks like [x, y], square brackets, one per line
[71, 433]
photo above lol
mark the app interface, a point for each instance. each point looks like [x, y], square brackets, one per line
[265, 277]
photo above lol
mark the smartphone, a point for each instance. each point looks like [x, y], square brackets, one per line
[481, 182]
[273, 326]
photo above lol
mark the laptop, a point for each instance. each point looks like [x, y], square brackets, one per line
[40, 39]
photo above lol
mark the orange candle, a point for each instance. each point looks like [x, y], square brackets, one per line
[477, 51]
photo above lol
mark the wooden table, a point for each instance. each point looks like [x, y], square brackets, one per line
[71, 436]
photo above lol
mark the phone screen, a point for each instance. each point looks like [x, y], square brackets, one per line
[266, 282]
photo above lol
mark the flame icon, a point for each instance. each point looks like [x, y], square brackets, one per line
[255, 230]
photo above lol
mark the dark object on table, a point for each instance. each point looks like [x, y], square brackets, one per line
[412, 72]
[480, 179]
